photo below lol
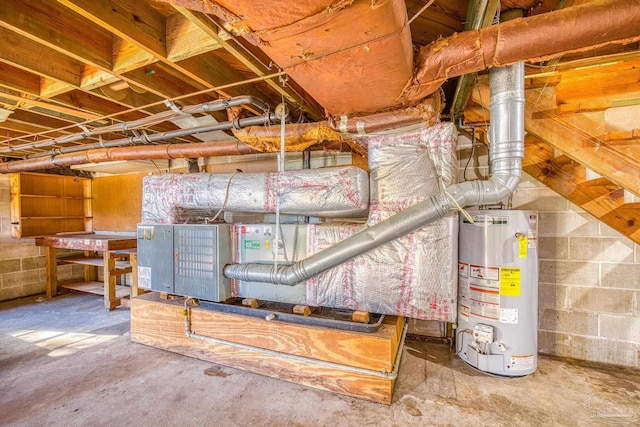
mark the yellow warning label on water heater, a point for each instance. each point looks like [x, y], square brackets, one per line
[523, 241]
[509, 281]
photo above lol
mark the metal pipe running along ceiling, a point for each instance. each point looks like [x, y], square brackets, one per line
[174, 111]
[506, 152]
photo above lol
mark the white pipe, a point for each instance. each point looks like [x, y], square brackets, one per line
[506, 152]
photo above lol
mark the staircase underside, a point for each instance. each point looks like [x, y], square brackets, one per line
[583, 138]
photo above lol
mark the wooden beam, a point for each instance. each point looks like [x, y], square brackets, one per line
[615, 82]
[223, 74]
[90, 102]
[48, 23]
[626, 220]
[136, 22]
[576, 139]
[132, 20]
[589, 106]
[51, 106]
[49, 87]
[185, 39]
[575, 142]
[624, 135]
[541, 82]
[23, 53]
[128, 56]
[18, 80]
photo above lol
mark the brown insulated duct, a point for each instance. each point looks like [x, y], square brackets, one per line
[536, 38]
[426, 111]
[350, 55]
[356, 55]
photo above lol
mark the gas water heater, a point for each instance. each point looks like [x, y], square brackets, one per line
[497, 329]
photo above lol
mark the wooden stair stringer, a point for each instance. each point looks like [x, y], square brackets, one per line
[600, 197]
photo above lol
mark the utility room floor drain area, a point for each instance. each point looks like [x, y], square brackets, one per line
[67, 361]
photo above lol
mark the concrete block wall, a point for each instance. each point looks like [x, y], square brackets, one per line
[22, 269]
[589, 287]
[22, 263]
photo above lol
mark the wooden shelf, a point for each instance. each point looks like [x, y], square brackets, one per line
[46, 196]
[97, 288]
[122, 267]
[32, 218]
[44, 204]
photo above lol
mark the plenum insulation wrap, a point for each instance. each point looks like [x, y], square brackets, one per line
[183, 198]
[507, 149]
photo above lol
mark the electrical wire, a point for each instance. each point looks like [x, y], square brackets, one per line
[468, 331]
[425, 7]
[226, 198]
[473, 148]
[458, 207]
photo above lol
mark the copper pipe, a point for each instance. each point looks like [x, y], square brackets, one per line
[536, 38]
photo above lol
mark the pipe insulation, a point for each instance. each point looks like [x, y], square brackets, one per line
[536, 38]
[183, 198]
[506, 152]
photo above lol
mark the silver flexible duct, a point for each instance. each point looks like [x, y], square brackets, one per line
[506, 152]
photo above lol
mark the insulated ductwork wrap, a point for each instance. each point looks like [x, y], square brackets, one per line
[180, 198]
[507, 141]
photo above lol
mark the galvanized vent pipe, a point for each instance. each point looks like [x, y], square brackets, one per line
[506, 152]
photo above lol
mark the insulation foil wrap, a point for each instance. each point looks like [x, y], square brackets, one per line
[413, 276]
[190, 198]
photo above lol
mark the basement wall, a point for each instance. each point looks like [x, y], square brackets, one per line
[589, 290]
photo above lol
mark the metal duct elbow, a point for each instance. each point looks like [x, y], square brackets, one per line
[506, 141]
[506, 150]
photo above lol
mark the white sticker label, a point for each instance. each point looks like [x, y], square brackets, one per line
[482, 272]
[509, 315]
[144, 277]
[521, 363]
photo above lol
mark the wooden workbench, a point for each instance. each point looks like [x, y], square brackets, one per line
[114, 260]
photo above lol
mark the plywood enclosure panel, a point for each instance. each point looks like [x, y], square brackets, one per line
[160, 323]
[117, 202]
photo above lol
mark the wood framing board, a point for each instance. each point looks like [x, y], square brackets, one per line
[88, 242]
[117, 202]
[160, 323]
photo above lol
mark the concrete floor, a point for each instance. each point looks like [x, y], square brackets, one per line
[67, 362]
